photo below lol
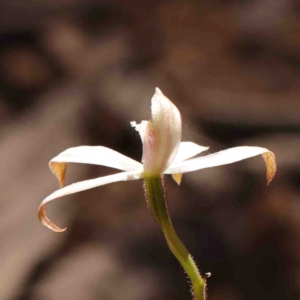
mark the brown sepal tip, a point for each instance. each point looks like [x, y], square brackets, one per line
[270, 160]
[46, 222]
[177, 178]
[59, 169]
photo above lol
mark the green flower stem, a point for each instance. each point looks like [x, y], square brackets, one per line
[156, 199]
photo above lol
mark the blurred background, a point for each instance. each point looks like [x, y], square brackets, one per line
[75, 72]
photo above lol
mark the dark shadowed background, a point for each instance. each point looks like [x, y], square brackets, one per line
[75, 72]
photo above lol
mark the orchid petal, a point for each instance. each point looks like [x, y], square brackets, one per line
[82, 186]
[162, 135]
[187, 150]
[96, 155]
[226, 157]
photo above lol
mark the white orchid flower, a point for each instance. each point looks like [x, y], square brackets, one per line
[163, 153]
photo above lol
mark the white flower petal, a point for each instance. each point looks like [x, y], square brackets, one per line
[97, 155]
[187, 150]
[226, 157]
[82, 186]
[162, 135]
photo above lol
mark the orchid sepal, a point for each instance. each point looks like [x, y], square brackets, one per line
[225, 157]
[82, 186]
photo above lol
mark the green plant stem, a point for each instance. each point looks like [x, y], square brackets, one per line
[156, 199]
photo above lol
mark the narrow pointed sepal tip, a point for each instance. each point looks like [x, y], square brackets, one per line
[59, 170]
[270, 160]
[177, 178]
[46, 222]
[158, 91]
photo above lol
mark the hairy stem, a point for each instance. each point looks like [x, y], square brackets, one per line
[156, 199]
